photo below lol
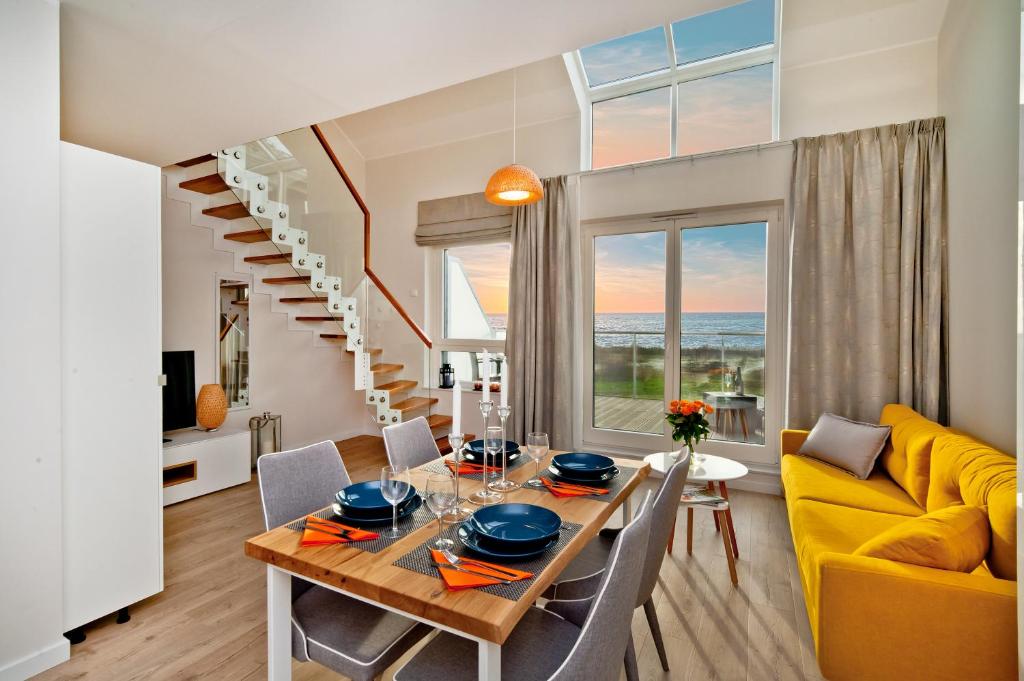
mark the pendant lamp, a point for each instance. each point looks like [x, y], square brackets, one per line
[515, 184]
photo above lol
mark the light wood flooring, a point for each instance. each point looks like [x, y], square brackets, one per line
[209, 622]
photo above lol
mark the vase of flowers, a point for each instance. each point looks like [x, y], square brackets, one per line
[689, 423]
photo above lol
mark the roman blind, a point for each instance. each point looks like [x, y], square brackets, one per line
[461, 219]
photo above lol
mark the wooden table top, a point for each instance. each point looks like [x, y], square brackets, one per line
[474, 612]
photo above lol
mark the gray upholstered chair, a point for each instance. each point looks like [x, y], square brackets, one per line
[582, 576]
[581, 640]
[347, 636]
[410, 443]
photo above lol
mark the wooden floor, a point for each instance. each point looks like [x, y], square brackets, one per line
[209, 622]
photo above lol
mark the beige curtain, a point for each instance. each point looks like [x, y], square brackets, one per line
[458, 220]
[540, 340]
[868, 299]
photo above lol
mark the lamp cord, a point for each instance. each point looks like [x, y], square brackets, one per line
[515, 84]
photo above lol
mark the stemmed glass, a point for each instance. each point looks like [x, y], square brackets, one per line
[492, 445]
[457, 513]
[504, 485]
[441, 499]
[537, 447]
[394, 485]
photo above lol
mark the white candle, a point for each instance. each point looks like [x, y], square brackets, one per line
[457, 409]
[487, 375]
[504, 381]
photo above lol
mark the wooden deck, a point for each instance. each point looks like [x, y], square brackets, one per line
[647, 416]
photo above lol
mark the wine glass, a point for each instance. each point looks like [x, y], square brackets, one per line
[537, 447]
[440, 494]
[492, 447]
[394, 485]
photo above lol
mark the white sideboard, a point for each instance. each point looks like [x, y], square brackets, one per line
[198, 462]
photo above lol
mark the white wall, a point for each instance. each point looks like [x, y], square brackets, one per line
[30, 413]
[978, 79]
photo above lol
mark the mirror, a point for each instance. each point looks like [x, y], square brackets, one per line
[233, 340]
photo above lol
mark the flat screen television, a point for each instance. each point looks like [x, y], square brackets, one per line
[180, 391]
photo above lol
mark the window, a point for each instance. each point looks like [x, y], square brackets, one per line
[469, 290]
[696, 85]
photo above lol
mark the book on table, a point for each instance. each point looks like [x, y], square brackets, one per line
[701, 496]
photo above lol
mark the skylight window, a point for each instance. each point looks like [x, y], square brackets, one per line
[696, 85]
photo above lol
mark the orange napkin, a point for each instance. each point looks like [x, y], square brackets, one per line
[469, 468]
[456, 581]
[568, 490]
[328, 529]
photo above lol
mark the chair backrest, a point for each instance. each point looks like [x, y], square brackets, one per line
[663, 516]
[410, 443]
[299, 481]
[601, 646]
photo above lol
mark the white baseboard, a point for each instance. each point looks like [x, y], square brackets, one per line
[37, 662]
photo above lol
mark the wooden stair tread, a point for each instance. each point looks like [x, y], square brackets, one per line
[381, 368]
[286, 281]
[240, 302]
[413, 403]
[196, 161]
[303, 299]
[229, 211]
[397, 386]
[329, 336]
[208, 184]
[251, 236]
[270, 258]
[317, 318]
[438, 420]
[373, 351]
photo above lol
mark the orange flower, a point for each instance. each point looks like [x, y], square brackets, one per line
[673, 406]
[708, 409]
[687, 409]
[698, 403]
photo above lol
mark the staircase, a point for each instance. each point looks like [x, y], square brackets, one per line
[235, 196]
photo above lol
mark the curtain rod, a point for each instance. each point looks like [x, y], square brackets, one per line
[681, 159]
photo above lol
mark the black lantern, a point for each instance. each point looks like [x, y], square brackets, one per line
[447, 376]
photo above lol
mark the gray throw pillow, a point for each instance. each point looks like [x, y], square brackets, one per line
[850, 445]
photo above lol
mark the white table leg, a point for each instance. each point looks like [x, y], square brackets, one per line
[279, 625]
[489, 661]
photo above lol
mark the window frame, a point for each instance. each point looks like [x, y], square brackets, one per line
[435, 307]
[587, 95]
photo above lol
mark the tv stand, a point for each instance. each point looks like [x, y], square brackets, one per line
[198, 462]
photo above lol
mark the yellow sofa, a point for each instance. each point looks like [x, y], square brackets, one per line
[875, 619]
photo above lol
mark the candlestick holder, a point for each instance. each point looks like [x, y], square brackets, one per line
[459, 512]
[486, 496]
[503, 485]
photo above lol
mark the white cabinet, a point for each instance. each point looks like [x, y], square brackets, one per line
[110, 364]
[197, 462]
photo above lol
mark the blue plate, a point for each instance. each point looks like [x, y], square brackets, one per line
[405, 509]
[559, 474]
[515, 526]
[364, 500]
[478, 446]
[478, 457]
[471, 540]
[582, 464]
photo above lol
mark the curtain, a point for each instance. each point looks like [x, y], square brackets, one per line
[458, 220]
[543, 288]
[868, 287]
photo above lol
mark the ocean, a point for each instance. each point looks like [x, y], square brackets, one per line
[699, 329]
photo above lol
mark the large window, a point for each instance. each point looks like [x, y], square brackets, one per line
[697, 85]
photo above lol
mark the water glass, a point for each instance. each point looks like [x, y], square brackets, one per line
[394, 486]
[537, 447]
[441, 499]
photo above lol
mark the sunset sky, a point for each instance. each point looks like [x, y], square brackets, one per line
[487, 266]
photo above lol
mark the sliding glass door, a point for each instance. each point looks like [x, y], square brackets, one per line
[722, 272]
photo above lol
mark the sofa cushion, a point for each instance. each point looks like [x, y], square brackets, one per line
[952, 538]
[805, 478]
[820, 528]
[966, 471]
[851, 446]
[907, 458]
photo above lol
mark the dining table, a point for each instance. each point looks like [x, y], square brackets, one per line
[475, 614]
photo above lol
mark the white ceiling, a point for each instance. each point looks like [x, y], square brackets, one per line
[161, 80]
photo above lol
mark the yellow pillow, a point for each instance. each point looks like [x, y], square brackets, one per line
[952, 538]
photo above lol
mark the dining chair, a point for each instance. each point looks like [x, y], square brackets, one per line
[349, 637]
[410, 443]
[581, 577]
[581, 640]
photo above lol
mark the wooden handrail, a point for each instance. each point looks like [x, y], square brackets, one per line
[366, 238]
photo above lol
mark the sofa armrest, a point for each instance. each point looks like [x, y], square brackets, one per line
[792, 439]
[881, 620]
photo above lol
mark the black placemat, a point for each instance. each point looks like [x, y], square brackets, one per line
[613, 486]
[417, 519]
[419, 560]
[441, 467]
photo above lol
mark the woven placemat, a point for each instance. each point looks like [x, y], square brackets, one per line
[440, 467]
[614, 485]
[419, 560]
[420, 517]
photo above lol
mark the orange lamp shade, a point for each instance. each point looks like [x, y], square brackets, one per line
[514, 185]
[211, 406]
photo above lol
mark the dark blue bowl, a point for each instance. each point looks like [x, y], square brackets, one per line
[405, 509]
[517, 526]
[478, 457]
[583, 464]
[478, 446]
[472, 540]
[364, 500]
